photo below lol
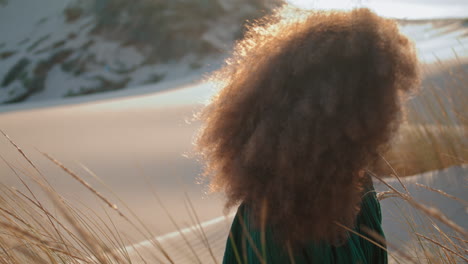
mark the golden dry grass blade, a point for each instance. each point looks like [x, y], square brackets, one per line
[21, 152]
[152, 239]
[45, 212]
[442, 193]
[250, 240]
[387, 194]
[24, 233]
[96, 249]
[375, 243]
[394, 172]
[193, 222]
[7, 255]
[66, 253]
[200, 227]
[49, 187]
[33, 257]
[117, 237]
[138, 254]
[448, 239]
[430, 211]
[176, 225]
[442, 246]
[290, 253]
[460, 239]
[84, 183]
[100, 196]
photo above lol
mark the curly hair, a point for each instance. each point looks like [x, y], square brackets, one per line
[307, 101]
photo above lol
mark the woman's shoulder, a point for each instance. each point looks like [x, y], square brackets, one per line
[247, 241]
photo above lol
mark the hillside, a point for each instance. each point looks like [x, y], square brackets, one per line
[83, 47]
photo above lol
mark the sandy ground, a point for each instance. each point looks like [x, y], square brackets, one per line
[126, 148]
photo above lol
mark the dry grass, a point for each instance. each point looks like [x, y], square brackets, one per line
[31, 232]
[434, 135]
[433, 138]
[421, 148]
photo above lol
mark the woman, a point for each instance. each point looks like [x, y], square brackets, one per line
[308, 101]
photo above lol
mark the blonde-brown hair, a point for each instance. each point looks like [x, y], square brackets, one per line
[307, 102]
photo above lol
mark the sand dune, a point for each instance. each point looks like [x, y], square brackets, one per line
[127, 148]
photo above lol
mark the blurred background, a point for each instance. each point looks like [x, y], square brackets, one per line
[111, 86]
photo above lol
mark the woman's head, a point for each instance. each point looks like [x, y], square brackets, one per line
[308, 100]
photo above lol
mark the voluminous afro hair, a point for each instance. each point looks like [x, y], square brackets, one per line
[308, 101]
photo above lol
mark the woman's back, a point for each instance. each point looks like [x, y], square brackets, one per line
[248, 244]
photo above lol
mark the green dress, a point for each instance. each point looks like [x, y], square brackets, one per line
[239, 247]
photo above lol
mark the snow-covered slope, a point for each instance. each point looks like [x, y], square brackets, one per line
[52, 49]
[401, 9]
